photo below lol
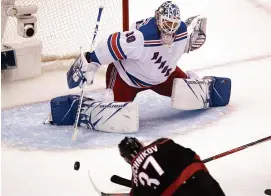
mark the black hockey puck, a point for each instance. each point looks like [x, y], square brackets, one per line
[267, 191]
[76, 165]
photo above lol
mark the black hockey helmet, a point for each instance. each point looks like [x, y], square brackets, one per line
[129, 147]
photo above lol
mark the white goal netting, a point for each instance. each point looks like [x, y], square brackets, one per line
[64, 26]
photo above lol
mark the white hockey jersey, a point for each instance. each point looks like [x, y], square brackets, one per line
[139, 55]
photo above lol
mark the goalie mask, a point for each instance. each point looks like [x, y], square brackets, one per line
[168, 20]
[129, 147]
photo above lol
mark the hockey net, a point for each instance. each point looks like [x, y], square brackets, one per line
[63, 26]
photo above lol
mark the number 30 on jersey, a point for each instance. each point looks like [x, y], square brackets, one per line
[130, 37]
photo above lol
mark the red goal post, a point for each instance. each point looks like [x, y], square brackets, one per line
[125, 15]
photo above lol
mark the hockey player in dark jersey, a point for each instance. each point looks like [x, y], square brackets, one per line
[166, 168]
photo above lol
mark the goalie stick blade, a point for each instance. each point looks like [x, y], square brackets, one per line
[102, 193]
[121, 181]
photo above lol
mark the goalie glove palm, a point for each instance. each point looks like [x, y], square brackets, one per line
[196, 27]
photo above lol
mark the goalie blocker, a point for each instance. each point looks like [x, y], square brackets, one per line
[193, 94]
[119, 117]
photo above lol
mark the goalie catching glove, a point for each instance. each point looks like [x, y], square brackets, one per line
[196, 28]
[81, 71]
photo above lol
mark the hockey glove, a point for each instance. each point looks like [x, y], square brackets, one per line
[81, 71]
[89, 72]
[196, 27]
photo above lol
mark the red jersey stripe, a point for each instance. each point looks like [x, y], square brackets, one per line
[187, 173]
[115, 47]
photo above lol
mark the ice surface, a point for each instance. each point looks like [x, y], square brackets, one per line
[23, 127]
[36, 168]
[38, 159]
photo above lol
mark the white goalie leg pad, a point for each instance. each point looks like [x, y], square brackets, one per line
[116, 117]
[190, 94]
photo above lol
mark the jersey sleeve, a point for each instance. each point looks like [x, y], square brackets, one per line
[119, 46]
[133, 27]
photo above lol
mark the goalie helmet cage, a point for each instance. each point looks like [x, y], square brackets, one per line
[63, 26]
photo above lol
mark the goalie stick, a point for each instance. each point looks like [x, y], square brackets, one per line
[125, 182]
[75, 132]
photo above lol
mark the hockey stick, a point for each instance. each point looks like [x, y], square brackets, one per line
[125, 182]
[75, 132]
[236, 149]
[102, 193]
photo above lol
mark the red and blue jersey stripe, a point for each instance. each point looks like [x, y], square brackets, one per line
[152, 43]
[181, 36]
[137, 81]
[114, 47]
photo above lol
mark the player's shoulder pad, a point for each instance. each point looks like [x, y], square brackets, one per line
[132, 38]
[148, 28]
[124, 45]
[161, 141]
[182, 28]
[181, 32]
[127, 36]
